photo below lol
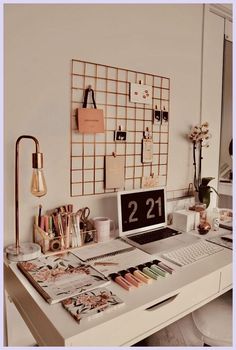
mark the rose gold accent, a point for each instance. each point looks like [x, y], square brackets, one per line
[111, 86]
[17, 242]
[37, 160]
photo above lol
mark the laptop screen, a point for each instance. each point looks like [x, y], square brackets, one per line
[141, 210]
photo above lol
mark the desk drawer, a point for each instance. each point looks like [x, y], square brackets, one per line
[127, 328]
[188, 298]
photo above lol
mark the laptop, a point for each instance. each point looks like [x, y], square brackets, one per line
[142, 220]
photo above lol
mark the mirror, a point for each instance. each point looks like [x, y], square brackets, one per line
[226, 142]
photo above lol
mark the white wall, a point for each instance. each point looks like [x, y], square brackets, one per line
[41, 40]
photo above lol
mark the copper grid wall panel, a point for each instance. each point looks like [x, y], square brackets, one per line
[87, 151]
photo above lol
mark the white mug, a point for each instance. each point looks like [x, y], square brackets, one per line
[103, 228]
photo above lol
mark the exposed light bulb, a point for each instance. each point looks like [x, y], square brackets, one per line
[38, 183]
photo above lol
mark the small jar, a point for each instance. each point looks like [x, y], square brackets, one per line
[215, 219]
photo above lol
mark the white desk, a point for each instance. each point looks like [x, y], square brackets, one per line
[147, 309]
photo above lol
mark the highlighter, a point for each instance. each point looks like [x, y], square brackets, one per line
[121, 281]
[163, 266]
[140, 275]
[155, 268]
[130, 278]
[148, 271]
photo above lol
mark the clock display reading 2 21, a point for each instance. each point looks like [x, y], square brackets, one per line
[142, 209]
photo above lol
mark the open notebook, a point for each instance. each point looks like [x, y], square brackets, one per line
[57, 277]
[142, 218]
[115, 254]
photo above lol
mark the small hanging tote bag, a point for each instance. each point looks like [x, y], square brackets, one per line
[90, 120]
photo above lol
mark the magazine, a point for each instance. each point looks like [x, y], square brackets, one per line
[57, 277]
[91, 304]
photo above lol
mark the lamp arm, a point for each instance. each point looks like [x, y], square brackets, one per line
[17, 182]
[28, 137]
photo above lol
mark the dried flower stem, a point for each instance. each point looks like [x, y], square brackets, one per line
[195, 166]
[200, 164]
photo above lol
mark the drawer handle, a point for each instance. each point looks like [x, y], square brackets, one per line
[161, 303]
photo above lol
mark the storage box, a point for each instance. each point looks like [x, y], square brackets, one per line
[184, 220]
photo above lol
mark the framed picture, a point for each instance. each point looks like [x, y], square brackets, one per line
[120, 136]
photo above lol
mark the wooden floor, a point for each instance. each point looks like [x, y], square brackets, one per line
[179, 333]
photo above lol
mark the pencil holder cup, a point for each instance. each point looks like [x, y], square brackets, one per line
[52, 244]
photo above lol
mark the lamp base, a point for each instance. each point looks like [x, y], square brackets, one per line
[26, 251]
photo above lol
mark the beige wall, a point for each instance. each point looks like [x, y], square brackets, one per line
[41, 40]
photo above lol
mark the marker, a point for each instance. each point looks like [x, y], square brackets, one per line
[130, 278]
[140, 275]
[156, 269]
[148, 271]
[121, 281]
[163, 266]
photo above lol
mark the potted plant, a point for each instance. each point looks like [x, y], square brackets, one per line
[199, 136]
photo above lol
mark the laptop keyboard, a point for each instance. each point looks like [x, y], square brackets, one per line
[153, 236]
[194, 252]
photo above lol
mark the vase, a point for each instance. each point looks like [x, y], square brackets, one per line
[204, 195]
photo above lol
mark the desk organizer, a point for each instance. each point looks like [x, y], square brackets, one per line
[52, 245]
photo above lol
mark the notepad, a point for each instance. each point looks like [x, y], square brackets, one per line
[114, 171]
[92, 304]
[102, 249]
[123, 260]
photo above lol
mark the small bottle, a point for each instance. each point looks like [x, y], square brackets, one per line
[215, 219]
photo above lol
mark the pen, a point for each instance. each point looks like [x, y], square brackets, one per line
[36, 220]
[67, 243]
[105, 263]
[74, 230]
[42, 222]
[60, 227]
[77, 222]
[50, 229]
[227, 239]
[46, 224]
[40, 212]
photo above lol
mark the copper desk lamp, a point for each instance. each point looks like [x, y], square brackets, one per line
[27, 251]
